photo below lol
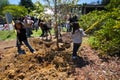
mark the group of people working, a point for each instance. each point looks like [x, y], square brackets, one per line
[23, 31]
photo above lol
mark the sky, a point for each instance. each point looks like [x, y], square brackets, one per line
[42, 1]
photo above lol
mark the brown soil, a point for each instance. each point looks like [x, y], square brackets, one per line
[50, 63]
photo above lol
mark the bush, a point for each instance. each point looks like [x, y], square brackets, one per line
[107, 38]
[92, 20]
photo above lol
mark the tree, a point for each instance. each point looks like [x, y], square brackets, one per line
[105, 2]
[28, 4]
[59, 5]
[51, 3]
[113, 4]
[63, 7]
[3, 3]
[38, 8]
[16, 11]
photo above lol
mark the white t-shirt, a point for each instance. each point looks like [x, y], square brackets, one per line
[77, 36]
[28, 23]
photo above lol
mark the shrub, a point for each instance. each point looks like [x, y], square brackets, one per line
[107, 38]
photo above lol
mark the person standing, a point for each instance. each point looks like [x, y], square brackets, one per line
[77, 35]
[28, 25]
[21, 37]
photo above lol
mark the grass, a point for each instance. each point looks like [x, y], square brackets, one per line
[36, 34]
[39, 32]
[7, 35]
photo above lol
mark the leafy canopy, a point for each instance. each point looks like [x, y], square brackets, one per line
[27, 4]
[15, 10]
[3, 3]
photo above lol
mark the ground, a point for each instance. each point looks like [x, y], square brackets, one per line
[51, 63]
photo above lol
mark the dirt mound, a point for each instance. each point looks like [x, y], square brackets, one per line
[48, 62]
[51, 63]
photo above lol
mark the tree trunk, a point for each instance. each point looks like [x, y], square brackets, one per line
[57, 43]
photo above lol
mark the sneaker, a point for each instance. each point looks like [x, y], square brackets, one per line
[74, 57]
[21, 52]
[34, 52]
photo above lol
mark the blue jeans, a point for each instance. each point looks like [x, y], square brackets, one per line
[28, 32]
[75, 48]
[20, 51]
[68, 27]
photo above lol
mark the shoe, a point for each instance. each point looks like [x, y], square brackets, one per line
[21, 52]
[74, 57]
[34, 52]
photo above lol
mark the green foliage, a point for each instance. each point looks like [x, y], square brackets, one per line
[38, 9]
[104, 2]
[7, 35]
[113, 4]
[3, 3]
[105, 27]
[27, 4]
[16, 11]
[63, 6]
[92, 20]
[94, 42]
[39, 32]
[107, 38]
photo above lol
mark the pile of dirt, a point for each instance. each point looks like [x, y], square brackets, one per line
[51, 63]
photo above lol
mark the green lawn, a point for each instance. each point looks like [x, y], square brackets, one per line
[7, 35]
[39, 32]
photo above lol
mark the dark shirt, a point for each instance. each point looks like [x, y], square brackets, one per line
[45, 27]
[75, 18]
[22, 35]
[71, 20]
